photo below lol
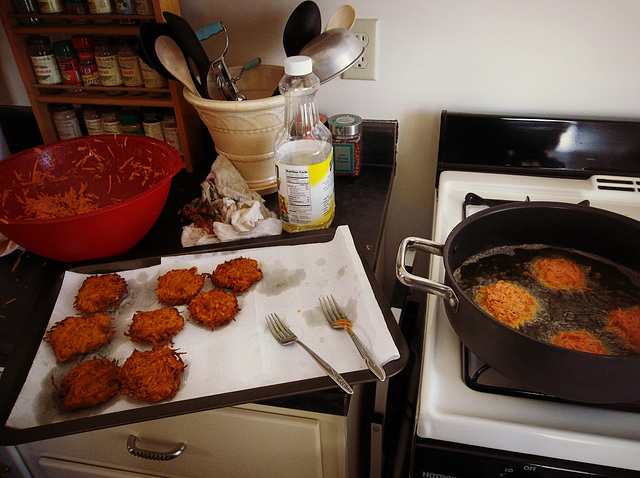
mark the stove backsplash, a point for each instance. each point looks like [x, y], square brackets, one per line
[556, 147]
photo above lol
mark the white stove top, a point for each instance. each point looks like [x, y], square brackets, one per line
[448, 410]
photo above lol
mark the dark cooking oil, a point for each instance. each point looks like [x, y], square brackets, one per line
[608, 287]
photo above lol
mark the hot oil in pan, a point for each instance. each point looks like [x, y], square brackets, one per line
[608, 287]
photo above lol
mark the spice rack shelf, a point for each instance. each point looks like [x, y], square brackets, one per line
[42, 96]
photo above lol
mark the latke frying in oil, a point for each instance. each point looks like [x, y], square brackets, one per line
[237, 274]
[88, 384]
[579, 340]
[509, 303]
[559, 274]
[213, 308]
[153, 375]
[75, 336]
[155, 326]
[626, 323]
[99, 292]
[179, 286]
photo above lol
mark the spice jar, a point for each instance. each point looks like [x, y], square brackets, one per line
[170, 131]
[152, 79]
[80, 8]
[129, 62]
[44, 62]
[106, 53]
[100, 7]
[27, 6]
[144, 7]
[86, 59]
[131, 122]
[93, 121]
[152, 124]
[68, 63]
[346, 131]
[110, 122]
[66, 121]
[126, 8]
[51, 6]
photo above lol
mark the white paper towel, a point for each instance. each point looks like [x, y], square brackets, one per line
[242, 354]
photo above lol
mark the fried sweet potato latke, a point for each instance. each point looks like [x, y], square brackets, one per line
[559, 274]
[579, 340]
[179, 286]
[88, 384]
[153, 375]
[509, 303]
[155, 326]
[213, 308]
[99, 292]
[237, 274]
[626, 323]
[75, 336]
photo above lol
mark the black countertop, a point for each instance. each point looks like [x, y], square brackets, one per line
[361, 203]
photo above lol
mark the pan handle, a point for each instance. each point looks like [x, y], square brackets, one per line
[421, 283]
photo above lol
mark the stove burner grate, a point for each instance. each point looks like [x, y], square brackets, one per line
[473, 202]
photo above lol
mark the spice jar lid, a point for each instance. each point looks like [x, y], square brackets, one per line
[345, 124]
[63, 107]
[64, 48]
[129, 117]
[82, 41]
[37, 40]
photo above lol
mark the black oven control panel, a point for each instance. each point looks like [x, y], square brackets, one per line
[436, 459]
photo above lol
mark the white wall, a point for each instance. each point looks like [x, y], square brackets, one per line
[555, 57]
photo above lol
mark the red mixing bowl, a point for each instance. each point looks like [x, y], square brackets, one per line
[127, 176]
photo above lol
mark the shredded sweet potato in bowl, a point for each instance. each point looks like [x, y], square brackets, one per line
[87, 197]
[65, 179]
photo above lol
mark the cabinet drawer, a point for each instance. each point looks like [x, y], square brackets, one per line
[229, 442]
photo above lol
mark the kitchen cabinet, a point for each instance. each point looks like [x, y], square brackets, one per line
[42, 97]
[242, 441]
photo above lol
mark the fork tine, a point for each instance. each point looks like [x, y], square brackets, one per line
[272, 326]
[284, 331]
[337, 308]
[326, 310]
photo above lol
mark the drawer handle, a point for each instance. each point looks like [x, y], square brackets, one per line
[153, 455]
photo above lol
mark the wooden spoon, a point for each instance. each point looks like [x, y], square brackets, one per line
[173, 60]
[343, 17]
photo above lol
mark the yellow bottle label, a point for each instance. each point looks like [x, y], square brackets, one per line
[306, 193]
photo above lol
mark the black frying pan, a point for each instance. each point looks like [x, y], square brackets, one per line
[564, 373]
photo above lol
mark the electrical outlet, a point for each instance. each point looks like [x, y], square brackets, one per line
[366, 67]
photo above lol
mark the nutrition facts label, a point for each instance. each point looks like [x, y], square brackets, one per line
[299, 188]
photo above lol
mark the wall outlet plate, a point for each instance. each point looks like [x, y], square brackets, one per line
[366, 67]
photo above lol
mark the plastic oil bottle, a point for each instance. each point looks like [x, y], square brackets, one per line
[303, 153]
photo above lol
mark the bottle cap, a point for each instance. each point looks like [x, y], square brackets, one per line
[298, 65]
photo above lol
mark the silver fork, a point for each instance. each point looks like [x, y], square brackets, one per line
[334, 314]
[285, 336]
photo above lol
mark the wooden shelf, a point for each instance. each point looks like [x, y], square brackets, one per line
[42, 96]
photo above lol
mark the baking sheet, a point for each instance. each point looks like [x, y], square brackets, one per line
[242, 354]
